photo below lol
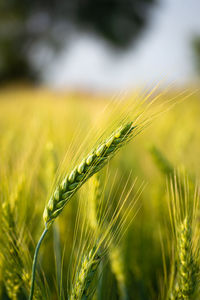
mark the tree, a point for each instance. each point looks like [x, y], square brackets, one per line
[24, 23]
[196, 48]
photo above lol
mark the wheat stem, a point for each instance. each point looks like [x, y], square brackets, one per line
[35, 262]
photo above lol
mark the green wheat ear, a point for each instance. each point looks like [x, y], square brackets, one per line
[84, 277]
[187, 275]
[187, 272]
[161, 161]
[90, 165]
[184, 209]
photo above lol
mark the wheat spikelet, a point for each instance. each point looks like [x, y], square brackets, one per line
[89, 166]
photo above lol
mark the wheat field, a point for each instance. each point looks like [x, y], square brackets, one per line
[112, 183]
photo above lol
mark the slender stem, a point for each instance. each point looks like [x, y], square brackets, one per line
[35, 262]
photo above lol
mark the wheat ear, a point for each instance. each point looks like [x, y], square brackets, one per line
[161, 161]
[183, 215]
[94, 195]
[12, 260]
[117, 267]
[186, 282]
[187, 274]
[84, 277]
[90, 165]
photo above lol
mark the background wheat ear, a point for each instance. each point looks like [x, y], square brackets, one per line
[84, 277]
[95, 194]
[187, 272]
[184, 205]
[161, 161]
[14, 252]
[11, 258]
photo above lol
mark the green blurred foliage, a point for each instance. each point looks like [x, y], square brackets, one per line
[24, 24]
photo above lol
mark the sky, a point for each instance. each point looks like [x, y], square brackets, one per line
[163, 53]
